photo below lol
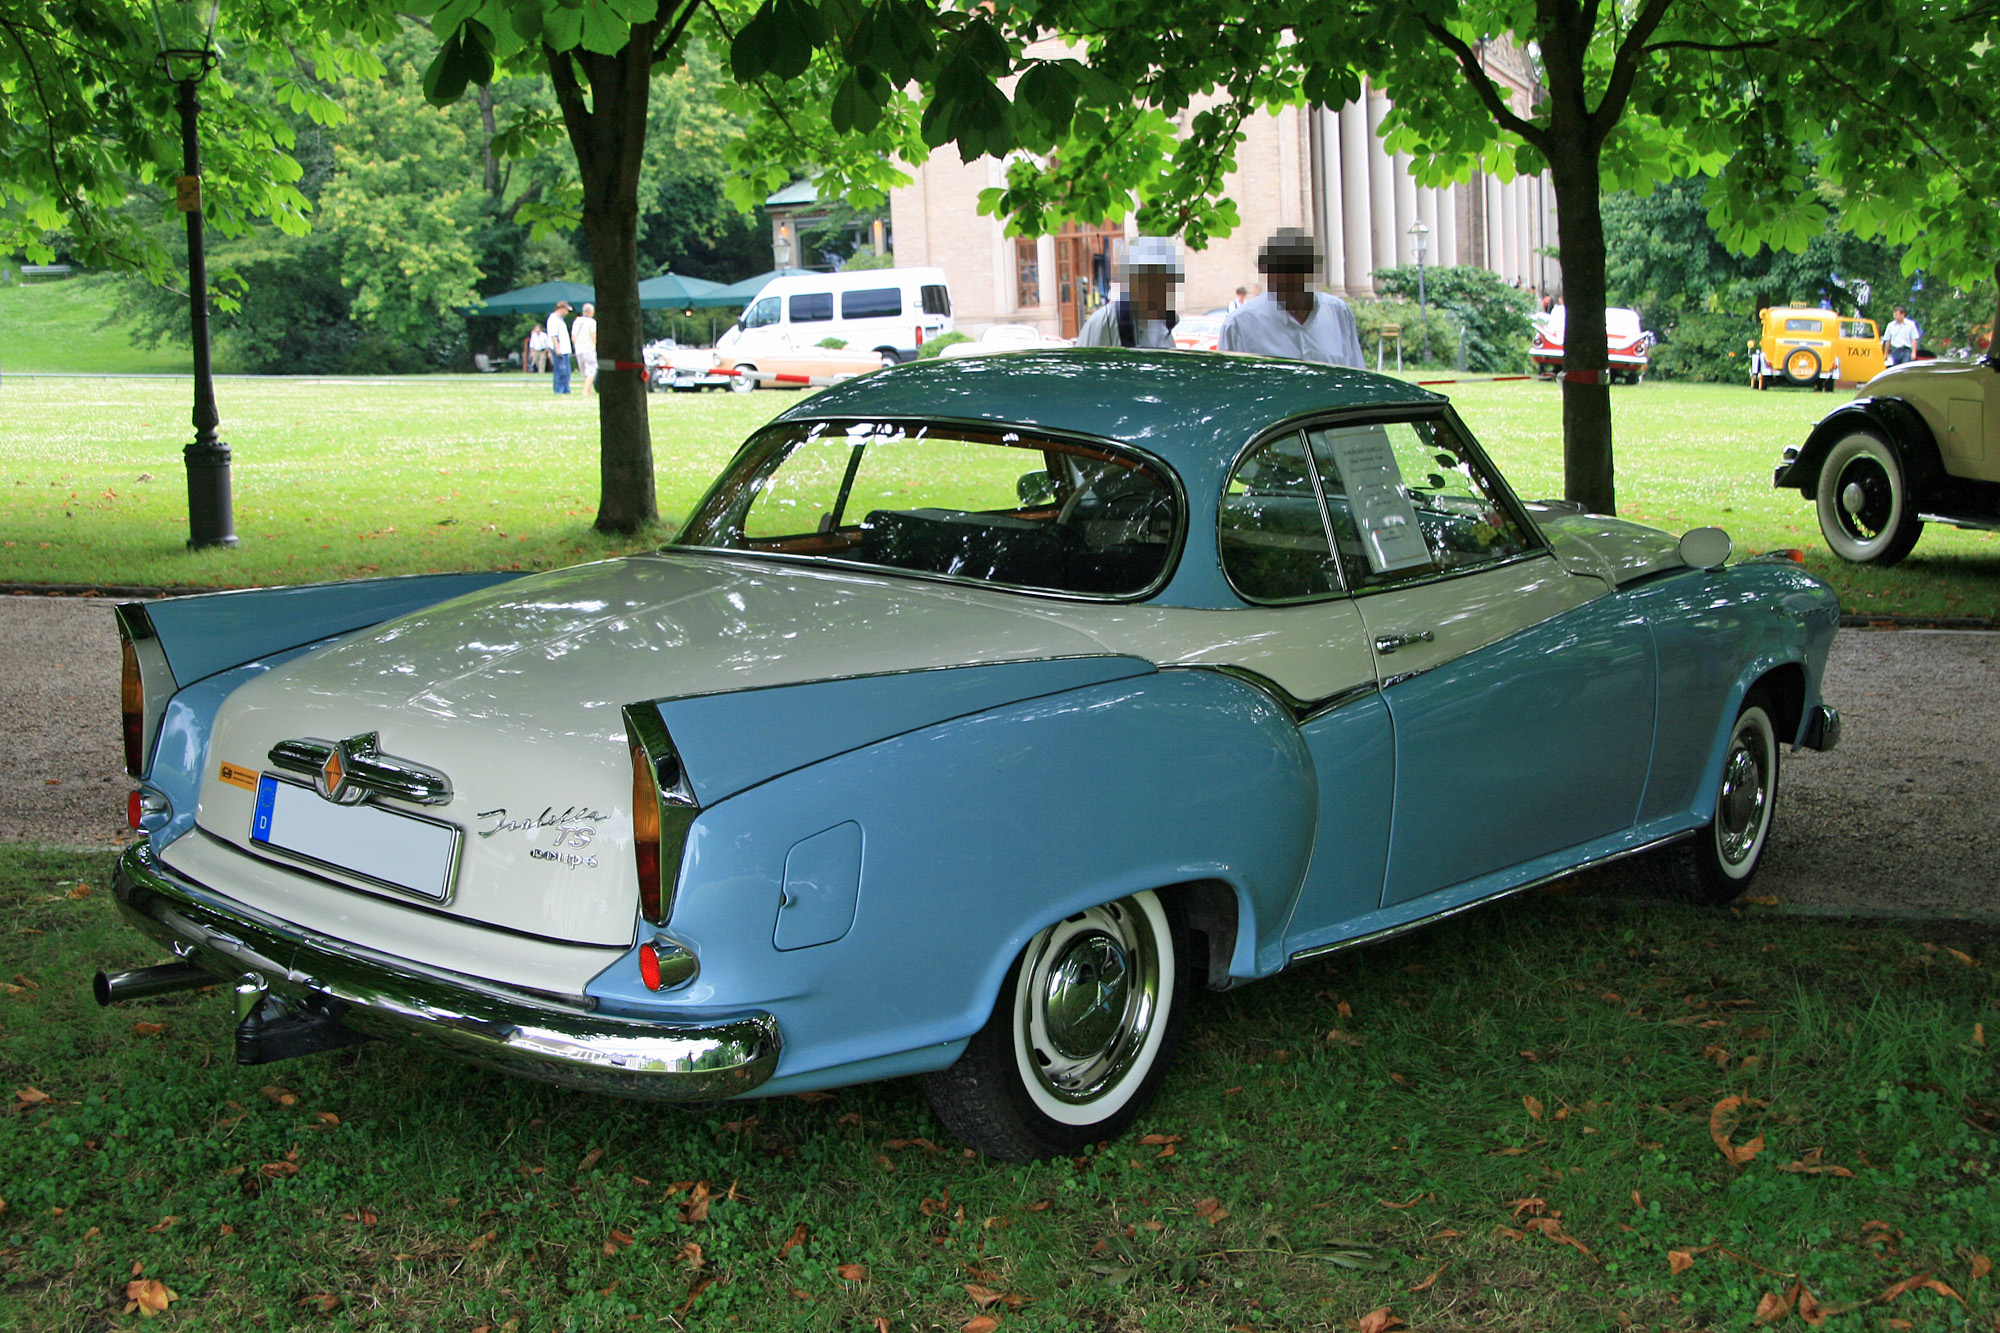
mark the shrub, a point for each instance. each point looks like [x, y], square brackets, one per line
[1493, 314]
[1370, 316]
[1704, 348]
[938, 344]
[832, 344]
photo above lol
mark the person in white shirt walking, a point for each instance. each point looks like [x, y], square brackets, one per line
[1144, 315]
[1901, 337]
[583, 337]
[559, 343]
[1288, 320]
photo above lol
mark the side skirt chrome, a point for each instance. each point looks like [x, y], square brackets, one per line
[1418, 923]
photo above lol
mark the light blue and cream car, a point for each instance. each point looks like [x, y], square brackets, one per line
[981, 711]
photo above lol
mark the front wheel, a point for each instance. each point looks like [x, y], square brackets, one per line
[743, 381]
[1864, 501]
[1079, 1038]
[1717, 864]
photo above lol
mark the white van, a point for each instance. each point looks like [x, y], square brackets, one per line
[889, 311]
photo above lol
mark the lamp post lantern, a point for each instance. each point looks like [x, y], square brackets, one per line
[1421, 235]
[186, 30]
[781, 249]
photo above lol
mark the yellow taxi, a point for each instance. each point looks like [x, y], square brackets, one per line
[1803, 345]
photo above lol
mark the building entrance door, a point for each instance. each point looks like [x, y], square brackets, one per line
[1083, 272]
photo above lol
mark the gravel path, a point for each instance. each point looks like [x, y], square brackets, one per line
[1898, 820]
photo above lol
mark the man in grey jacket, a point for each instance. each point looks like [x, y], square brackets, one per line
[1144, 315]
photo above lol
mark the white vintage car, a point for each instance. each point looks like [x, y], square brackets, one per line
[1919, 444]
[982, 711]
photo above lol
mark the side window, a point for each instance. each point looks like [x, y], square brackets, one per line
[1270, 531]
[872, 303]
[762, 313]
[812, 307]
[1408, 500]
[937, 299]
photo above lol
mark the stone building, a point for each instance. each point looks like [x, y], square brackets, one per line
[1319, 168]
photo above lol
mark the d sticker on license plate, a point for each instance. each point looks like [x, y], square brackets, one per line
[370, 842]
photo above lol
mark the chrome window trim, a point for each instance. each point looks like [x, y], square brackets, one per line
[1264, 440]
[1176, 548]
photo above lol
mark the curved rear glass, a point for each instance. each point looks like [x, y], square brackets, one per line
[999, 506]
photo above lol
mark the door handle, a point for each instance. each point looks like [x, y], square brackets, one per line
[1389, 643]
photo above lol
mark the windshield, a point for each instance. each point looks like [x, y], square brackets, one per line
[994, 506]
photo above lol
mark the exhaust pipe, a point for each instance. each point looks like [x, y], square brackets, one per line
[113, 987]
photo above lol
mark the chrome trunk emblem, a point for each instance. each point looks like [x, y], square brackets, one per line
[349, 771]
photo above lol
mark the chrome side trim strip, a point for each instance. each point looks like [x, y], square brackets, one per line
[1390, 932]
[1300, 710]
[1962, 521]
[534, 1036]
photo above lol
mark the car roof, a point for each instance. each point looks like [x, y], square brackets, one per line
[1195, 410]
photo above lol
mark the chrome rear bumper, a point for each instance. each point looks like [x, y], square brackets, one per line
[470, 1019]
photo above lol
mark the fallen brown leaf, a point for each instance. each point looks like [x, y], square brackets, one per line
[1378, 1320]
[324, 1304]
[590, 1159]
[853, 1272]
[1772, 1308]
[149, 1029]
[149, 1297]
[1981, 1266]
[1722, 1120]
[1211, 1211]
[796, 1239]
[1679, 1261]
[1534, 1106]
[1429, 1282]
[983, 1323]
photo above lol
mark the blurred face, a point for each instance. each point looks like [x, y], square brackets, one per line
[1289, 286]
[1150, 292]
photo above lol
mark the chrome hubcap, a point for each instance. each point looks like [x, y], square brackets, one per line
[1089, 995]
[1739, 815]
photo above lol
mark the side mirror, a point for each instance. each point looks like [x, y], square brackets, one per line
[1035, 488]
[1706, 548]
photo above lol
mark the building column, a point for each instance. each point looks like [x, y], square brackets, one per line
[1381, 188]
[1496, 253]
[1447, 224]
[1406, 210]
[1427, 213]
[1327, 181]
[1510, 230]
[1355, 210]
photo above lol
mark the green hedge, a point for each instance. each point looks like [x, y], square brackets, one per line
[1370, 316]
[1493, 314]
[1704, 349]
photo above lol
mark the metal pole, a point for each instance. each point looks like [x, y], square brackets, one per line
[211, 521]
[1423, 320]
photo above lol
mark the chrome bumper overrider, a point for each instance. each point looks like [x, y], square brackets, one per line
[472, 1020]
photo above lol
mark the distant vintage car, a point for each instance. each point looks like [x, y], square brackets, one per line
[981, 711]
[1200, 333]
[1004, 338]
[1629, 345]
[1919, 444]
[1807, 347]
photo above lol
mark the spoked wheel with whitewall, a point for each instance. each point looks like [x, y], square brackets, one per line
[1717, 864]
[1082, 1032]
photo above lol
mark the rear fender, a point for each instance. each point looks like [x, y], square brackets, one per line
[957, 842]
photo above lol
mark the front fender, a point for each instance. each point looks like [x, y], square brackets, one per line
[1894, 419]
[931, 858]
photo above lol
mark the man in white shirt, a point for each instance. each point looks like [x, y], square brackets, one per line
[583, 336]
[1288, 320]
[559, 341]
[1144, 315]
[1901, 337]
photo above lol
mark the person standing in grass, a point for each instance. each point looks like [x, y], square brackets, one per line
[583, 336]
[559, 345]
[1900, 338]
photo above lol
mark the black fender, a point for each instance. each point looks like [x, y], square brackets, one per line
[1896, 421]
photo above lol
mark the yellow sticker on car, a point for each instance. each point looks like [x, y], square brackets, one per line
[246, 778]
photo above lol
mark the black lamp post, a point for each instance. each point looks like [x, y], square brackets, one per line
[1422, 235]
[186, 31]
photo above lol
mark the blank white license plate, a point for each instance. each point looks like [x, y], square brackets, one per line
[387, 847]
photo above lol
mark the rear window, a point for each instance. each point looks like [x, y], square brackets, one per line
[872, 303]
[937, 299]
[990, 506]
[1804, 325]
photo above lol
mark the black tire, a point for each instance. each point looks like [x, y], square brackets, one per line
[1864, 503]
[743, 383]
[1801, 366]
[889, 358]
[1050, 1074]
[1718, 863]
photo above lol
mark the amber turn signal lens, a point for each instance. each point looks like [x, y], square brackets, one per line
[646, 841]
[132, 706]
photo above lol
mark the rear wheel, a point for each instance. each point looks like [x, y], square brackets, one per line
[1080, 1036]
[1863, 500]
[743, 382]
[889, 358]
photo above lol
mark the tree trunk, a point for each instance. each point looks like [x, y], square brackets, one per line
[609, 136]
[1586, 388]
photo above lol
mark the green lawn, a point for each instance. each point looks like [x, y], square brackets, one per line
[1555, 1114]
[338, 479]
[59, 326]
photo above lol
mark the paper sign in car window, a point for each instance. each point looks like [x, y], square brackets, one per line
[1383, 515]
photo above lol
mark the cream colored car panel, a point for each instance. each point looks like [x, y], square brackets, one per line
[1957, 401]
[1428, 624]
